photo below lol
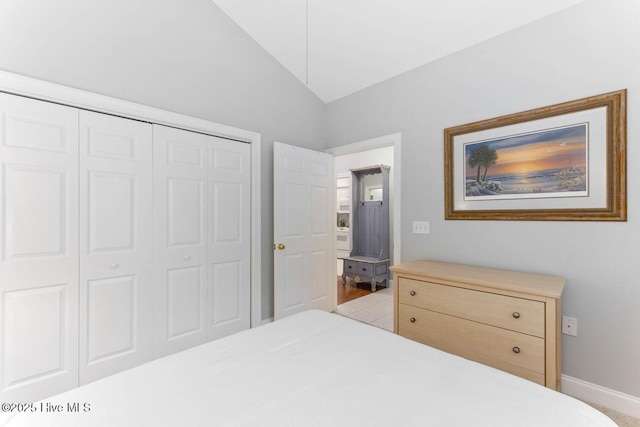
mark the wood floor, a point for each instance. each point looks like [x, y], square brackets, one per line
[353, 290]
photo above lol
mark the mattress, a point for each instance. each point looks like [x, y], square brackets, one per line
[311, 369]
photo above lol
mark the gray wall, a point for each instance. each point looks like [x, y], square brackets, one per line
[184, 56]
[586, 50]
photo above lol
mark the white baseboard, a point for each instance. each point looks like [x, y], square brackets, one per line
[265, 321]
[612, 399]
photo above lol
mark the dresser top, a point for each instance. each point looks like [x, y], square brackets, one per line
[539, 284]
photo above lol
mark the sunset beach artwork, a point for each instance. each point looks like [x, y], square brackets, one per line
[546, 163]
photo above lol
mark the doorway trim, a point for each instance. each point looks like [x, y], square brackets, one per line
[46, 91]
[392, 140]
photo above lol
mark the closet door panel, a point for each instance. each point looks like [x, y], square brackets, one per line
[226, 293]
[30, 191]
[184, 295]
[112, 314]
[180, 247]
[115, 244]
[112, 211]
[38, 248]
[229, 237]
[185, 206]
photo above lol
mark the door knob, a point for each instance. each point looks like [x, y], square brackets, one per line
[281, 246]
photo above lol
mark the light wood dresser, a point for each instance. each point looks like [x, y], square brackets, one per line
[505, 319]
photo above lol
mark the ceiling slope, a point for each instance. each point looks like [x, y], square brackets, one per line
[337, 47]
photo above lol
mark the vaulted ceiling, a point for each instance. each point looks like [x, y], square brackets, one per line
[337, 47]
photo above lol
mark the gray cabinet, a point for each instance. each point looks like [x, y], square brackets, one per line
[369, 257]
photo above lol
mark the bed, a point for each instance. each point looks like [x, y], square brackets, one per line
[311, 369]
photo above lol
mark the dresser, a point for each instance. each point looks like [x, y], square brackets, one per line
[505, 319]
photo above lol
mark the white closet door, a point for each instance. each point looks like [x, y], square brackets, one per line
[38, 249]
[202, 230]
[115, 244]
[180, 246]
[229, 217]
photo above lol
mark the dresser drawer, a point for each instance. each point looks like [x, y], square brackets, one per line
[515, 314]
[350, 266]
[365, 269]
[517, 353]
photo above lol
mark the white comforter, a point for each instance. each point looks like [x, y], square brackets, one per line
[314, 369]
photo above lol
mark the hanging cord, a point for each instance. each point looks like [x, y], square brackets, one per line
[307, 42]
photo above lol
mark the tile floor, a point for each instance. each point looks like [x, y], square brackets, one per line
[377, 309]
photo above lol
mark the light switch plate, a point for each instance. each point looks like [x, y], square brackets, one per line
[420, 227]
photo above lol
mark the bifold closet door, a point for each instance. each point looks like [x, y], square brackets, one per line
[116, 244]
[229, 235]
[180, 246]
[38, 249]
[202, 238]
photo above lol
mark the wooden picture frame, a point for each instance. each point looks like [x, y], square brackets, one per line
[565, 162]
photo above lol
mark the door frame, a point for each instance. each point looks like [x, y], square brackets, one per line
[391, 140]
[46, 91]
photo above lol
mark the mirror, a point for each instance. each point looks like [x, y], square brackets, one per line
[371, 189]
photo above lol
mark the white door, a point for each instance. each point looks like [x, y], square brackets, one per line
[38, 249]
[180, 246]
[229, 235]
[202, 231]
[115, 244]
[303, 199]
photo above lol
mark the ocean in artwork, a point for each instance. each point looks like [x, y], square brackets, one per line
[548, 163]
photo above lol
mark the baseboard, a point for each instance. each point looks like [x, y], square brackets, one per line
[265, 321]
[612, 399]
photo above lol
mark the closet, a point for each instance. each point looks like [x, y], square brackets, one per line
[121, 241]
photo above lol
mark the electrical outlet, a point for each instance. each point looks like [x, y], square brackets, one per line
[420, 227]
[570, 326]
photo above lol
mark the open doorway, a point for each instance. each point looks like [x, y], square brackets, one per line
[354, 298]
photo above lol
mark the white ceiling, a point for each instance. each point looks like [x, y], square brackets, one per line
[353, 44]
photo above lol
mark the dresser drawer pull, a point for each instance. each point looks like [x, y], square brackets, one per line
[364, 269]
[349, 267]
[412, 320]
[516, 350]
[516, 314]
[412, 293]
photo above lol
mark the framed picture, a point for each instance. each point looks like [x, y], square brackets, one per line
[563, 162]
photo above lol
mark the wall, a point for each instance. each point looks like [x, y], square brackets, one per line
[585, 50]
[186, 56]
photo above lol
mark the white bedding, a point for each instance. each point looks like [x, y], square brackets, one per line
[313, 369]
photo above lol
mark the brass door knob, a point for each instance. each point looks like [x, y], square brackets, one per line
[281, 246]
